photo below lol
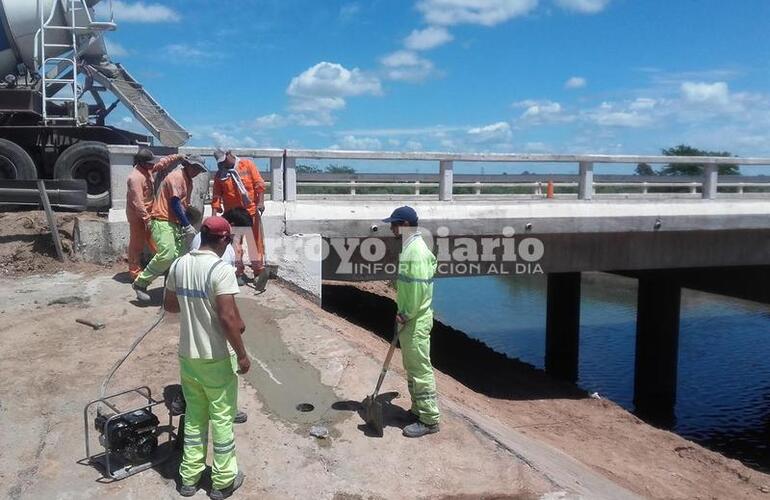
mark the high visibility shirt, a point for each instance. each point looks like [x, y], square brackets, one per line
[227, 195]
[139, 194]
[176, 184]
[414, 284]
[198, 278]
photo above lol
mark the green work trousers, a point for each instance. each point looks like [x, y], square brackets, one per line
[210, 388]
[415, 352]
[169, 243]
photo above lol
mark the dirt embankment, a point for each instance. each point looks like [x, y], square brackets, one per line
[26, 243]
[649, 461]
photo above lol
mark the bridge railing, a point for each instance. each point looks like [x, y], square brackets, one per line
[286, 181]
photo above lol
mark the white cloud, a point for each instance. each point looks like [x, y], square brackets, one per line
[610, 115]
[413, 146]
[327, 79]
[138, 12]
[495, 132]
[706, 93]
[189, 54]
[273, 120]
[483, 12]
[642, 103]
[322, 89]
[575, 82]
[404, 65]
[584, 6]
[428, 38]
[115, 49]
[542, 111]
[351, 142]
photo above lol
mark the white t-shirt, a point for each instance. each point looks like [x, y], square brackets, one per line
[198, 278]
[228, 256]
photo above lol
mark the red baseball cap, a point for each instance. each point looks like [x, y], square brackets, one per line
[217, 226]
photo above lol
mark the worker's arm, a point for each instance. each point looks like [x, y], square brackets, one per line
[233, 328]
[178, 209]
[170, 300]
[216, 197]
[259, 187]
[167, 162]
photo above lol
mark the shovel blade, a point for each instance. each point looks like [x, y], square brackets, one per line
[260, 283]
[373, 415]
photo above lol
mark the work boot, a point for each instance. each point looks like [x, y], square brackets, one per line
[241, 280]
[188, 490]
[418, 429]
[240, 417]
[227, 491]
[141, 292]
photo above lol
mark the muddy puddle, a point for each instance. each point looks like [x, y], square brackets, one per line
[289, 387]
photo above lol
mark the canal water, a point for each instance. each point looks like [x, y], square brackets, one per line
[723, 392]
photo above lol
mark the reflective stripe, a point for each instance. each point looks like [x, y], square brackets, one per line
[408, 279]
[222, 448]
[188, 292]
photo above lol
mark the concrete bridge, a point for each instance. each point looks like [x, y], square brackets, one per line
[710, 233]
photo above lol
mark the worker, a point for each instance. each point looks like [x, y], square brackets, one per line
[238, 183]
[211, 351]
[169, 224]
[414, 297]
[238, 218]
[139, 197]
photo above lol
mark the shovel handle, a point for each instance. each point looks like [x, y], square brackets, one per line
[396, 332]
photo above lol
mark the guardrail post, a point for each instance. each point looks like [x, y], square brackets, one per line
[353, 188]
[446, 180]
[740, 188]
[417, 188]
[710, 178]
[290, 179]
[276, 182]
[586, 182]
[645, 189]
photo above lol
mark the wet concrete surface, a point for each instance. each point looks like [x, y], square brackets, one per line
[290, 388]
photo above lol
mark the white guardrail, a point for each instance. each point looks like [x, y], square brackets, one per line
[285, 181]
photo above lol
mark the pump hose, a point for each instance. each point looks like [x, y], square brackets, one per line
[141, 337]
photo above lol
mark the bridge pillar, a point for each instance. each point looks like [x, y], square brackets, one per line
[562, 327]
[446, 180]
[657, 346]
[276, 184]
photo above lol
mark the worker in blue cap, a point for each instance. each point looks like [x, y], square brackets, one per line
[414, 286]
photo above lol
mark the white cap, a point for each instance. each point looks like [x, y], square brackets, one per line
[219, 154]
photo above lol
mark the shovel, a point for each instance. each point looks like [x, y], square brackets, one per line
[260, 282]
[373, 408]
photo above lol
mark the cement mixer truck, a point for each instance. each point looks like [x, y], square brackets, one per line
[57, 88]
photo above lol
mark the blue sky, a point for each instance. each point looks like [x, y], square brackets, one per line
[570, 76]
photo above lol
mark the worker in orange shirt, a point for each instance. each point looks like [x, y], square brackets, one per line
[139, 198]
[138, 204]
[238, 183]
[169, 223]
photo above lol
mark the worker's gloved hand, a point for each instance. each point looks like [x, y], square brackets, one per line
[189, 230]
[244, 363]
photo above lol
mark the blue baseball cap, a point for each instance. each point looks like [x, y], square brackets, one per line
[402, 214]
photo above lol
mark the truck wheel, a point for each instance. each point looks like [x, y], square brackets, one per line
[87, 160]
[15, 163]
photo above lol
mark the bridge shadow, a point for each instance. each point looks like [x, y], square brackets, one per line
[467, 360]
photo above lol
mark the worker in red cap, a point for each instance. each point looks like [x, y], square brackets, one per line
[211, 352]
[139, 197]
[238, 183]
[169, 223]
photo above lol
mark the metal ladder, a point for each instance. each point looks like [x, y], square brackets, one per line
[60, 73]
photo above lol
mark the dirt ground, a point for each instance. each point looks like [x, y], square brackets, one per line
[508, 430]
[26, 244]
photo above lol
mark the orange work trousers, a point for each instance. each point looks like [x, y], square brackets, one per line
[139, 237]
[257, 246]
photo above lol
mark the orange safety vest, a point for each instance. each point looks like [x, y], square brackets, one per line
[226, 194]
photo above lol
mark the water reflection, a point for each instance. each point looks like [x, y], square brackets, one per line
[723, 392]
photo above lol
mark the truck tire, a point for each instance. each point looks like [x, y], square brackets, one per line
[15, 163]
[89, 160]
